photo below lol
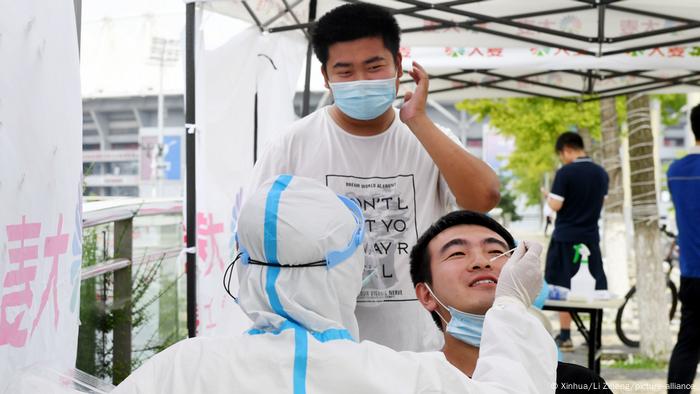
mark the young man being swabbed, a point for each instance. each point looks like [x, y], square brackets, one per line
[456, 266]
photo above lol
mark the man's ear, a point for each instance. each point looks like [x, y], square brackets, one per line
[325, 76]
[425, 298]
[399, 69]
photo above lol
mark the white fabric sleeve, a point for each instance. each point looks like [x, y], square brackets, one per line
[555, 197]
[145, 379]
[517, 356]
[177, 369]
[516, 350]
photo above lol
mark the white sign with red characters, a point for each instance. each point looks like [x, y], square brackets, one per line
[229, 76]
[40, 187]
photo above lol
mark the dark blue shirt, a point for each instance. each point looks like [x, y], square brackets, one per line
[582, 186]
[684, 184]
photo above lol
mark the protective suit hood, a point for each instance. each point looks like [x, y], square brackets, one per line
[292, 221]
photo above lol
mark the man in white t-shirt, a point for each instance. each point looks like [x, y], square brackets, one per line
[401, 169]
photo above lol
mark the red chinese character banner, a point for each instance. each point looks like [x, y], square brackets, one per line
[40, 187]
[228, 78]
[684, 57]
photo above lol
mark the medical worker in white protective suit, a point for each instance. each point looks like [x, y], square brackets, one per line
[299, 275]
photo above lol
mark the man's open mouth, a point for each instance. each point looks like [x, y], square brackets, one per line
[483, 280]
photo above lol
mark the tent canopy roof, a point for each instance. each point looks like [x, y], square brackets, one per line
[551, 48]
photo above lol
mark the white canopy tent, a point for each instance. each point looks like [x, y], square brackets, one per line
[557, 48]
[571, 50]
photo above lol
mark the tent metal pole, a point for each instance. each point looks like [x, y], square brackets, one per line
[595, 2]
[290, 27]
[613, 74]
[418, 8]
[281, 14]
[653, 33]
[601, 29]
[655, 45]
[691, 82]
[294, 16]
[510, 21]
[409, 12]
[651, 14]
[446, 75]
[650, 77]
[442, 23]
[655, 81]
[523, 92]
[547, 12]
[525, 80]
[309, 51]
[501, 78]
[191, 201]
[252, 15]
[487, 18]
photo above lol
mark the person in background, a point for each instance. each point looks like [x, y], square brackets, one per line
[456, 266]
[577, 197]
[684, 185]
[401, 169]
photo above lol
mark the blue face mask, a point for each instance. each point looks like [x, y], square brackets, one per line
[366, 99]
[466, 327]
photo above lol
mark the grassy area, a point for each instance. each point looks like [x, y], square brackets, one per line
[636, 362]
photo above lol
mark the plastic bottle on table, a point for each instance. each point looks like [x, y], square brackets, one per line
[583, 283]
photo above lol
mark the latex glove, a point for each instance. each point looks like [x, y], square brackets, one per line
[521, 276]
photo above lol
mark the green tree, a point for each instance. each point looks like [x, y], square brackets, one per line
[671, 107]
[507, 204]
[535, 124]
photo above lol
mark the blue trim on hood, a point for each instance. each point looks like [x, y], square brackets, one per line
[270, 242]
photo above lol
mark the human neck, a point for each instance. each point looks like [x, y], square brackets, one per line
[363, 128]
[460, 354]
[574, 155]
[578, 154]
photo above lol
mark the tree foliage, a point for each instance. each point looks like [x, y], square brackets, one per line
[507, 203]
[534, 124]
[671, 107]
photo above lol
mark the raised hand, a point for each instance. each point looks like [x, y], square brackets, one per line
[414, 102]
[521, 276]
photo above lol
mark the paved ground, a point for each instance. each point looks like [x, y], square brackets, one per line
[621, 380]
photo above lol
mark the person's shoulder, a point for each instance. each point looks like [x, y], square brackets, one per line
[600, 169]
[684, 165]
[309, 125]
[314, 117]
[598, 166]
[674, 166]
[588, 167]
[199, 344]
[567, 169]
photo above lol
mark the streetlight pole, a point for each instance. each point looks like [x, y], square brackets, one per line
[165, 52]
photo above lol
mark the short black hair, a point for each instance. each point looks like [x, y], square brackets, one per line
[420, 255]
[695, 121]
[569, 139]
[354, 21]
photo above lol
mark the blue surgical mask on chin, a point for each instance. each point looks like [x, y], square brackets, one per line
[466, 327]
[365, 99]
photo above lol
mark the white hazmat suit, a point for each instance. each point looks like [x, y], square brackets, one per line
[300, 274]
